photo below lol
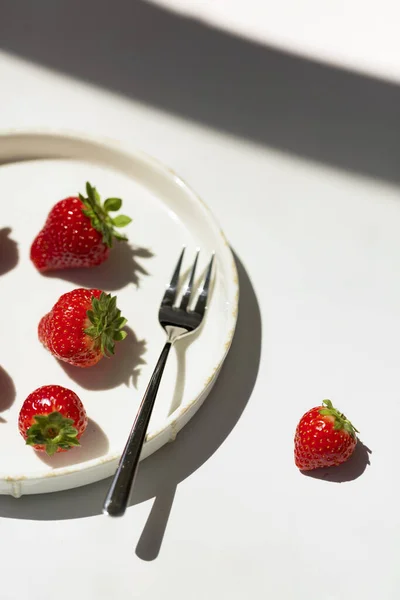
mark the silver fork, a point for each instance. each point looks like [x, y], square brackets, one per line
[177, 323]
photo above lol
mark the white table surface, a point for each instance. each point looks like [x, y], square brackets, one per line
[310, 203]
[361, 35]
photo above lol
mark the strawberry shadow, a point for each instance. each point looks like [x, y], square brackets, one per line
[348, 471]
[94, 443]
[124, 367]
[7, 392]
[122, 267]
[8, 251]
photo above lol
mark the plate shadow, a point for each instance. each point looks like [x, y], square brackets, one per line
[160, 474]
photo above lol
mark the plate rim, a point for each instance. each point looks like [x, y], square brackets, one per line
[179, 418]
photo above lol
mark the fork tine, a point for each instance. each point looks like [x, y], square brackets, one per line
[170, 292]
[188, 291]
[202, 299]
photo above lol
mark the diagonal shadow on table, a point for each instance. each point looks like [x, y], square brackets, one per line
[223, 81]
[160, 474]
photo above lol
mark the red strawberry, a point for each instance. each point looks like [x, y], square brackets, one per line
[82, 327]
[324, 437]
[52, 419]
[79, 232]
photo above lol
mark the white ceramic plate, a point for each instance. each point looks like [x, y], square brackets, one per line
[36, 170]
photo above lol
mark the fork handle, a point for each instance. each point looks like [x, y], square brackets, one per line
[118, 495]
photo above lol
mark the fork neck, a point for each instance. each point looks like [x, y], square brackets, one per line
[174, 333]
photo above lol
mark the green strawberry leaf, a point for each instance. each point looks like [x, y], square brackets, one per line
[52, 431]
[99, 215]
[106, 323]
[119, 336]
[340, 421]
[112, 204]
[121, 221]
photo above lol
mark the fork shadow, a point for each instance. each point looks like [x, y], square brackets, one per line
[160, 474]
[124, 367]
[8, 251]
[121, 268]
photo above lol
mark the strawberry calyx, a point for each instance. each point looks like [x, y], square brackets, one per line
[106, 323]
[52, 431]
[340, 420]
[100, 218]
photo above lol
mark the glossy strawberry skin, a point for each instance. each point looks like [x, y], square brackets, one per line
[319, 444]
[68, 239]
[48, 399]
[62, 330]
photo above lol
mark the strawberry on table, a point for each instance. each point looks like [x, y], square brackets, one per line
[82, 327]
[79, 232]
[52, 419]
[324, 437]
